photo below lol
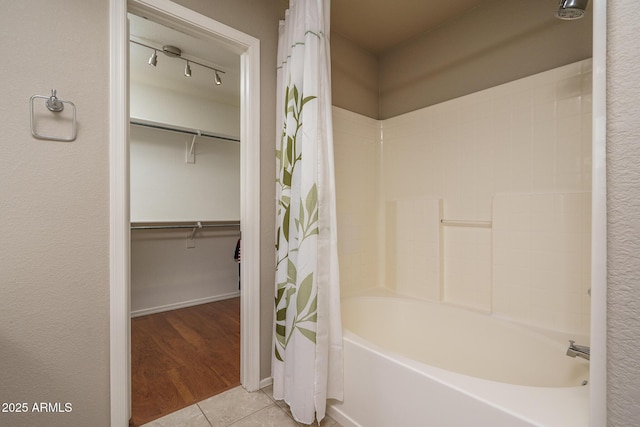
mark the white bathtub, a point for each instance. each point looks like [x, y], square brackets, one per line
[415, 363]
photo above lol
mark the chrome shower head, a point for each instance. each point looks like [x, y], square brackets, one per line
[571, 9]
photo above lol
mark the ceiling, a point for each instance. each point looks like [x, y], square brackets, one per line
[378, 25]
[374, 25]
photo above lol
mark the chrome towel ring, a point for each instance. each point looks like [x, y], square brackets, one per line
[54, 105]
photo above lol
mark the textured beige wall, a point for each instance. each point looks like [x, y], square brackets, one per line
[258, 19]
[500, 41]
[623, 209]
[54, 272]
[54, 215]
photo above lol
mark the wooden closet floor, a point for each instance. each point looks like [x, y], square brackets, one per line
[183, 356]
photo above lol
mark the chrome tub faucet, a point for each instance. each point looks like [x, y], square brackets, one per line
[578, 350]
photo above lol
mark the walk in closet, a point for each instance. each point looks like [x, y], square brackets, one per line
[185, 218]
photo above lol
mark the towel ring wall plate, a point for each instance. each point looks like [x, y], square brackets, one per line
[54, 105]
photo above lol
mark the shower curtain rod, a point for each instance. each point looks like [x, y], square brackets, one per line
[197, 224]
[181, 130]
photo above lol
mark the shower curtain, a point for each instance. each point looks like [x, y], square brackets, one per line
[307, 341]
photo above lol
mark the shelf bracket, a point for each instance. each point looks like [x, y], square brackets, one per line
[191, 149]
[191, 239]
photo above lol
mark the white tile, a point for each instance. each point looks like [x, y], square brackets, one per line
[567, 182]
[233, 405]
[545, 279]
[543, 182]
[327, 421]
[568, 70]
[543, 241]
[544, 150]
[569, 125]
[569, 88]
[586, 103]
[190, 416]
[271, 416]
[569, 154]
[586, 66]
[531, 135]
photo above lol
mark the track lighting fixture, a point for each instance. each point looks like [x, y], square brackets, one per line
[175, 52]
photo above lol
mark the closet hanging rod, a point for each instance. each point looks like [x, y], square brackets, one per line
[191, 226]
[182, 130]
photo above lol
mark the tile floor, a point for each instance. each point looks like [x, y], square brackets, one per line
[237, 408]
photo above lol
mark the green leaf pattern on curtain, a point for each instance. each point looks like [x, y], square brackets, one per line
[305, 222]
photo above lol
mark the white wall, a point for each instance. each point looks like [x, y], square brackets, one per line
[166, 274]
[164, 187]
[164, 106]
[525, 143]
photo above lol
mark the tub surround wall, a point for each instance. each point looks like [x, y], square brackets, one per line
[541, 260]
[467, 267]
[357, 153]
[413, 245]
[530, 138]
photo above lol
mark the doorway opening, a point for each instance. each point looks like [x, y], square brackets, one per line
[184, 158]
[247, 48]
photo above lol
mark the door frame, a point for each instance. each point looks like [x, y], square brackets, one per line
[248, 47]
[598, 362]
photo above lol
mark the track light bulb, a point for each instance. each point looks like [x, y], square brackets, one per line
[153, 60]
[218, 80]
[187, 70]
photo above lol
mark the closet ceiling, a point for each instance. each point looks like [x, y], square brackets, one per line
[169, 72]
